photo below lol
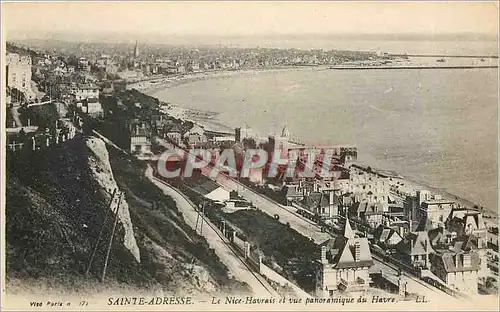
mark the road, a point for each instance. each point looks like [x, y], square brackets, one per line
[236, 265]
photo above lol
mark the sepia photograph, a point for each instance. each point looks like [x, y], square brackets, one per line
[249, 155]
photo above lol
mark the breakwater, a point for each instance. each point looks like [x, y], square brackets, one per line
[408, 67]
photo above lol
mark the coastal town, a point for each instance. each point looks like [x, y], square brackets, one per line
[362, 231]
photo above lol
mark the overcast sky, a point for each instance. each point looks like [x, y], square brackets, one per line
[252, 18]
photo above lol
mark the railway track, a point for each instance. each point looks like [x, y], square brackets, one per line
[238, 184]
[224, 239]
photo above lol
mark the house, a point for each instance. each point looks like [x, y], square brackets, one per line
[323, 204]
[415, 248]
[433, 213]
[344, 264]
[441, 238]
[92, 107]
[413, 201]
[466, 222]
[466, 243]
[459, 270]
[386, 236]
[174, 134]
[140, 142]
[370, 213]
[81, 92]
[292, 193]
[195, 135]
[210, 190]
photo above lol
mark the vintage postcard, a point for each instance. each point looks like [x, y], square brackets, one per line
[274, 156]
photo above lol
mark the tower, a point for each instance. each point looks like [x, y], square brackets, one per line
[136, 50]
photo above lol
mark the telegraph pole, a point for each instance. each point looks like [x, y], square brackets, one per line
[100, 233]
[202, 218]
[111, 239]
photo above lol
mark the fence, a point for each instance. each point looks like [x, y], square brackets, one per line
[42, 140]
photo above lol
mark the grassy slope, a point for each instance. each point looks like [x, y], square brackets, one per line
[54, 210]
[294, 253]
[157, 216]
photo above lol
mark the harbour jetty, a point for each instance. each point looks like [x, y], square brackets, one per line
[409, 67]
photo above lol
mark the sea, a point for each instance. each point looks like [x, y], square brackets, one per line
[435, 126]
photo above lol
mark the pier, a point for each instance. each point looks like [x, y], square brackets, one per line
[410, 67]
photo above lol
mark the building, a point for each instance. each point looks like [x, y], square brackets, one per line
[195, 135]
[344, 265]
[369, 187]
[441, 238]
[412, 203]
[434, 213]
[471, 230]
[280, 142]
[83, 64]
[323, 204]
[174, 135]
[292, 193]
[467, 243]
[386, 236]
[466, 222]
[209, 189]
[371, 213]
[459, 270]
[140, 142]
[92, 107]
[242, 133]
[18, 71]
[81, 92]
[136, 50]
[415, 249]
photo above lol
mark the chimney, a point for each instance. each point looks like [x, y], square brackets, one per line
[323, 255]
[357, 251]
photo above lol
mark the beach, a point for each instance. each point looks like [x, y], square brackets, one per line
[176, 80]
[209, 123]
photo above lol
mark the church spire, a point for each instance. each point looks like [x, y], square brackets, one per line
[348, 232]
[136, 49]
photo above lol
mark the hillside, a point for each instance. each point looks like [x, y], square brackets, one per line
[55, 205]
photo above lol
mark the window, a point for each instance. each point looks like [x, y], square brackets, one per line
[331, 293]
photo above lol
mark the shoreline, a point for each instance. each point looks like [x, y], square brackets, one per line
[211, 123]
[173, 81]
